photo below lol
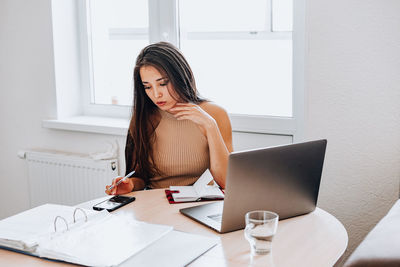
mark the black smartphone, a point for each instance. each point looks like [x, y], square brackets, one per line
[113, 203]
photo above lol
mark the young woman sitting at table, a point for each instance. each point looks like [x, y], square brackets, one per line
[174, 134]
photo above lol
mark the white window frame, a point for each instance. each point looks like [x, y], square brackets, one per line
[163, 26]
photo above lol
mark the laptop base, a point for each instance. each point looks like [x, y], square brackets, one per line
[208, 214]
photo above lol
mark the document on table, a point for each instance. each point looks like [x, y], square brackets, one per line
[103, 240]
[174, 249]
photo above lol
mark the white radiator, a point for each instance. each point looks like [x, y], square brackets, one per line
[60, 178]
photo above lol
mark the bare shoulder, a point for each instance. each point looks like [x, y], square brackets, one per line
[222, 119]
[215, 111]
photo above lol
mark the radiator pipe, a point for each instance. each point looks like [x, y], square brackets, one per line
[21, 154]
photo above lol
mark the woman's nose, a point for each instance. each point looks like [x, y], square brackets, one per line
[157, 93]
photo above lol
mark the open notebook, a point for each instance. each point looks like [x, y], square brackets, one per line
[201, 190]
[95, 239]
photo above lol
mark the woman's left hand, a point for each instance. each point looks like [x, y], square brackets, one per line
[193, 112]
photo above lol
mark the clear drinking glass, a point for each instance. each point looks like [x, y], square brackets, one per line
[260, 229]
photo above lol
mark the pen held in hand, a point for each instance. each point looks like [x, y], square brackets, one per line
[120, 181]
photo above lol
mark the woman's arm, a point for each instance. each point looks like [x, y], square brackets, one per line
[131, 184]
[215, 125]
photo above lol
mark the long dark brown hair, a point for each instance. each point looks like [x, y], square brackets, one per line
[169, 61]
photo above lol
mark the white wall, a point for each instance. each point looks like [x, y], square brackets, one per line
[27, 93]
[352, 99]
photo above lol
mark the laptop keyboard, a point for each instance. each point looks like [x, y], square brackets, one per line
[216, 217]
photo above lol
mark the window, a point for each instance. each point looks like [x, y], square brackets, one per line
[241, 53]
[118, 30]
[240, 61]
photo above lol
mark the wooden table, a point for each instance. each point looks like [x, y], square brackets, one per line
[316, 239]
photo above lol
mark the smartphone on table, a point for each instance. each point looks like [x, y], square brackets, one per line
[113, 203]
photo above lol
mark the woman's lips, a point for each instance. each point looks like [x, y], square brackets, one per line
[161, 103]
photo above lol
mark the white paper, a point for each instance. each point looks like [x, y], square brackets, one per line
[106, 241]
[178, 249]
[211, 191]
[202, 182]
[185, 192]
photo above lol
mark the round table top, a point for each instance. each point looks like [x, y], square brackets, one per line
[314, 239]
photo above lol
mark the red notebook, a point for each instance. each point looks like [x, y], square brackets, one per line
[171, 200]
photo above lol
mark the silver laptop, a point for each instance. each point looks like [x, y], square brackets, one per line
[284, 179]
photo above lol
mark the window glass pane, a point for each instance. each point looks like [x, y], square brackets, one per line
[113, 63]
[113, 58]
[223, 15]
[120, 13]
[282, 15]
[244, 76]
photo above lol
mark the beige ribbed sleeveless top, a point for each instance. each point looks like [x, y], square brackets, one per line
[180, 152]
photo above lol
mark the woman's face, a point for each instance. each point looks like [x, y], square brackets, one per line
[158, 88]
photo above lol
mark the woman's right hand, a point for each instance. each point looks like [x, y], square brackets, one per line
[124, 187]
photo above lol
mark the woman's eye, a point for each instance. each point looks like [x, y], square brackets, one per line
[146, 87]
[164, 84]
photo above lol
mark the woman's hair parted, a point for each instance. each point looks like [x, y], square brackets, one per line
[169, 61]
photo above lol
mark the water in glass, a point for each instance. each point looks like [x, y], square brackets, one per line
[260, 229]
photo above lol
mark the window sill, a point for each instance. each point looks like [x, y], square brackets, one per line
[119, 126]
[90, 124]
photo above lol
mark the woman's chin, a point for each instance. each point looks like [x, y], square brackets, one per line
[167, 107]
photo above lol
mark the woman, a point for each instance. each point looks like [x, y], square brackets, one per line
[174, 134]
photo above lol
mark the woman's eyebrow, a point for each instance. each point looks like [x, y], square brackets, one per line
[159, 79]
